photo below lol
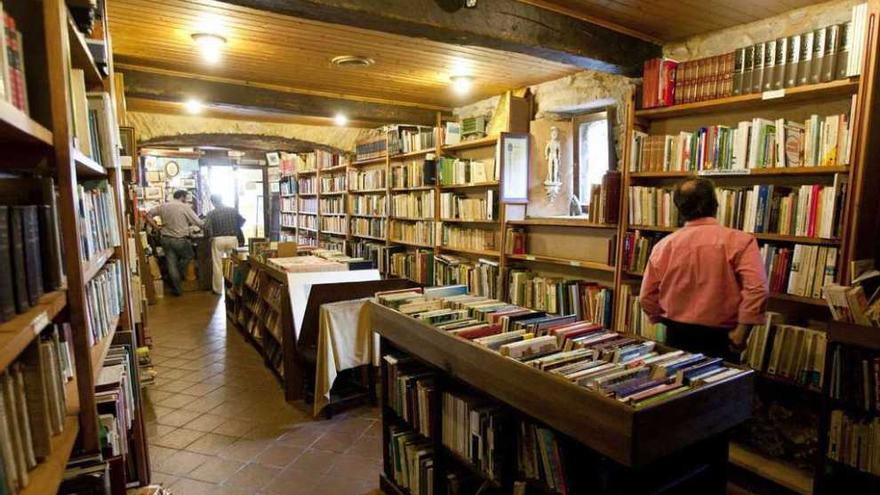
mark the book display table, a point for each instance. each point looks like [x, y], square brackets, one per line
[603, 446]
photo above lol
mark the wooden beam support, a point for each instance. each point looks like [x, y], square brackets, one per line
[175, 88]
[253, 142]
[507, 25]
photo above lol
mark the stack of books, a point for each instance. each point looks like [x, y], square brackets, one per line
[373, 148]
[790, 352]
[373, 227]
[414, 173]
[412, 458]
[539, 456]
[473, 429]
[308, 205]
[32, 405]
[801, 271]
[307, 185]
[368, 250]
[637, 248]
[412, 393]
[618, 366]
[332, 205]
[419, 232]
[461, 207]
[418, 204]
[854, 378]
[481, 277]
[115, 396]
[752, 144]
[360, 180]
[333, 224]
[13, 87]
[104, 301]
[470, 238]
[369, 204]
[417, 266]
[853, 441]
[633, 319]
[407, 139]
[98, 224]
[589, 301]
[460, 171]
[333, 183]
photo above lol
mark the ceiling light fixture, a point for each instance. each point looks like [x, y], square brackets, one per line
[462, 84]
[193, 106]
[210, 45]
[340, 119]
[352, 61]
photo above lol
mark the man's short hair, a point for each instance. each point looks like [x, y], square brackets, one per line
[180, 194]
[695, 198]
[216, 199]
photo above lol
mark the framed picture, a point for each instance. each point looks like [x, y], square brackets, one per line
[273, 158]
[127, 141]
[155, 176]
[153, 193]
[188, 183]
[513, 157]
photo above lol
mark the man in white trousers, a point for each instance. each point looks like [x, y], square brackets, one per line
[221, 226]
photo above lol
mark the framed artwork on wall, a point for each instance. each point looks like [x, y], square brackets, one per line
[513, 156]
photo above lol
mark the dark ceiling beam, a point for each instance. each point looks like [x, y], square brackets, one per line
[508, 25]
[242, 142]
[148, 85]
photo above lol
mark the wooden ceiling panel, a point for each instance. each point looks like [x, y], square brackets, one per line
[273, 49]
[666, 20]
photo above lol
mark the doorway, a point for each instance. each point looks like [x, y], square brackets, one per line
[242, 187]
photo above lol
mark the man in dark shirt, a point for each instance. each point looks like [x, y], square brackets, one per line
[221, 226]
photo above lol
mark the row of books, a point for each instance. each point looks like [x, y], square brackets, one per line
[320, 160]
[288, 204]
[368, 250]
[756, 144]
[104, 301]
[412, 392]
[811, 210]
[307, 221]
[413, 173]
[473, 429]
[463, 207]
[30, 257]
[800, 271]
[471, 238]
[460, 171]
[605, 199]
[32, 405]
[367, 179]
[13, 85]
[333, 204]
[822, 55]
[417, 265]
[117, 404]
[417, 204]
[286, 186]
[333, 224]
[99, 229]
[854, 441]
[633, 319]
[288, 163]
[307, 185]
[333, 183]
[637, 246]
[287, 220]
[480, 277]
[539, 456]
[369, 204]
[373, 227]
[308, 205]
[306, 239]
[854, 378]
[587, 300]
[618, 366]
[850, 304]
[419, 232]
[407, 139]
[412, 458]
[370, 149]
[790, 352]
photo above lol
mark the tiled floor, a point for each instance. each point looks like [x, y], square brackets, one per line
[218, 424]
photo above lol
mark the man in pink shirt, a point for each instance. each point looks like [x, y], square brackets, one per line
[706, 282]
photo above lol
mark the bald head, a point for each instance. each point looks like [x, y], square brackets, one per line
[695, 198]
[217, 200]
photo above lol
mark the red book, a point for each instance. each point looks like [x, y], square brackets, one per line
[482, 331]
[815, 192]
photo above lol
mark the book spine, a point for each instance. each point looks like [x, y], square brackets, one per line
[7, 298]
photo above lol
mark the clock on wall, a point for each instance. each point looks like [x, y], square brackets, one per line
[172, 169]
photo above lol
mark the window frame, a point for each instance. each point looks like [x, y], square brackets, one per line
[608, 114]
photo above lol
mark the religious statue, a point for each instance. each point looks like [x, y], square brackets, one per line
[552, 153]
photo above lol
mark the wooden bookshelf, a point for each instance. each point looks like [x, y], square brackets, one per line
[370, 161]
[368, 191]
[563, 222]
[81, 56]
[93, 266]
[88, 168]
[16, 127]
[477, 252]
[755, 101]
[372, 238]
[330, 170]
[778, 472]
[464, 220]
[467, 145]
[760, 236]
[412, 189]
[17, 333]
[764, 172]
[100, 349]
[47, 476]
[589, 265]
[413, 154]
[413, 244]
[476, 185]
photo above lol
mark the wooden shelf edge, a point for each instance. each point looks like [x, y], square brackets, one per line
[100, 349]
[763, 172]
[771, 469]
[47, 476]
[588, 265]
[87, 167]
[24, 128]
[852, 334]
[413, 244]
[369, 161]
[93, 266]
[363, 236]
[840, 87]
[81, 56]
[17, 333]
[412, 154]
[476, 143]
[562, 222]
[367, 191]
[469, 186]
[477, 252]
[758, 235]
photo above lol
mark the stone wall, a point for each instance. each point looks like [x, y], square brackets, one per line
[787, 24]
[153, 125]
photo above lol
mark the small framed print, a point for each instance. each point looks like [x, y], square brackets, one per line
[153, 193]
[188, 183]
[273, 158]
[513, 157]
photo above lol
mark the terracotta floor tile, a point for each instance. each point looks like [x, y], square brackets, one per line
[234, 427]
[194, 487]
[293, 481]
[203, 405]
[205, 422]
[336, 441]
[176, 401]
[367, 446]
[244, 450]
[303, 436]
[177, 439]
[216, 470]
[315, 460]
[177, 417]
[252, 477]
[279, 456]
[211, 444]
[183, 462]
[173, 385]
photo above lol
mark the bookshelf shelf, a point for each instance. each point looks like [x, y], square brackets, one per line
[589, 265]
[367, 191]
[308, 229]
[855, 335]
[799, 299]
[759, 236]
[812, 92]
[17, 127]
[93, 266]
[476, 143]
[411, 189]
[332, 193]
[469, 186]
[563, 222]
[333, 214]
[46, 477]
[774, 470]
[413, 244]
[86, 167]
[17, 333]
[307, 172]
[338, 168]
[478, 252]
[369, 161]
[331, 232]
[462, 220]
[288, 226]
[288, 195]
[359, 215]
[311, 213]
[413, 154]
[308, 195]
[81, 56]
[760, 172]
[290, 212]
[412, 219]
[364, 236]
[100, 349]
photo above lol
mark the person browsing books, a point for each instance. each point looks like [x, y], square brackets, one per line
[177, 218]
[221, 226]
[705, 282]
